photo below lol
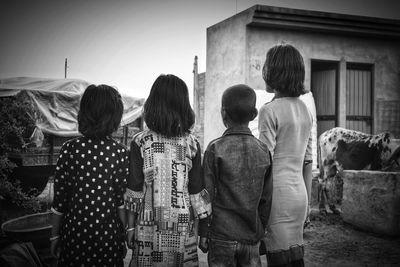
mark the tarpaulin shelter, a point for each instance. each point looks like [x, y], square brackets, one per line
[56, 102]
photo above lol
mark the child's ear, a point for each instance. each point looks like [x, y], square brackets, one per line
[223, 113]
[224, 116]
[255, 113]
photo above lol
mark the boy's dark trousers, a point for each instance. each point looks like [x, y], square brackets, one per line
[233, 253]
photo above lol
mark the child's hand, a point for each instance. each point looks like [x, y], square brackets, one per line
[125, 250]
[130, 238]
[203, 245]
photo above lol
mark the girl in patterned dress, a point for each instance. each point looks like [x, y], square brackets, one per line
[88, 208]
[165, 190]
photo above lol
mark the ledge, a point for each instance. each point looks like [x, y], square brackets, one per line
[324, 22]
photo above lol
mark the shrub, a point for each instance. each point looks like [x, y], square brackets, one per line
[16, 125]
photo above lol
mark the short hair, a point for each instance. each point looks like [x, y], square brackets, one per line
[100, 111]
[239, 102]
[283, 70]
[167, 110]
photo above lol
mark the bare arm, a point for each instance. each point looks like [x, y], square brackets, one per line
[307, 176]
[134, 192]
[120, 186]
[122, 216]
[130, 216]
[56, 223]
[307, 168]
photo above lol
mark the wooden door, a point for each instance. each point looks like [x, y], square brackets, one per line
[359, 98]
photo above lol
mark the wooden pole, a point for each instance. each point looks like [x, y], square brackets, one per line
[236, 6]
[65, 68]
[342, 94]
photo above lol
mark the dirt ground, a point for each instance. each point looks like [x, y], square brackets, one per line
[331, 242]
[328, 242]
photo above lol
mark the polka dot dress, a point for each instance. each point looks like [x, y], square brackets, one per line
[88, 189]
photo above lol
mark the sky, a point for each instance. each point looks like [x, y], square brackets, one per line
[127, 44]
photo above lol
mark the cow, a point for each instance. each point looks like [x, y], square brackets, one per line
[343, 149]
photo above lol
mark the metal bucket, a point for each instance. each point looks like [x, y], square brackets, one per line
[35, 228]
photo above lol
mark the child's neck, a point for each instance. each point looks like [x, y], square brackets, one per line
[231, 124]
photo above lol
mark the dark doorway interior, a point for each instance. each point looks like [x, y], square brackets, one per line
[324, 86]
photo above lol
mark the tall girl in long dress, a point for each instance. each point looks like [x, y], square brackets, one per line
[285, 126]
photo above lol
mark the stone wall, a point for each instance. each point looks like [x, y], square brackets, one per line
[371, 201]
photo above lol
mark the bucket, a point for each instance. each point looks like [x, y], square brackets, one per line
[35, 228]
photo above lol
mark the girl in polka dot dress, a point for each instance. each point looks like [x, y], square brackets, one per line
[88, 216]
[165, 190]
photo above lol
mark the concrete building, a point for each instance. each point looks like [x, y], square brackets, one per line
[199, 80]
[352, 65]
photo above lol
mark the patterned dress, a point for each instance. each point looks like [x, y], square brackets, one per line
[89, 185]
[166, 190]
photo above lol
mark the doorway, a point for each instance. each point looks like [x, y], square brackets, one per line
[356, 98]
[324, 86]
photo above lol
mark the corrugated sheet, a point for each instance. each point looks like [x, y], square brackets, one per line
[358, 100]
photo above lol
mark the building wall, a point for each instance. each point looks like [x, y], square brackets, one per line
[199, 90]
[384, 55]
[226, 66]
[236, 54]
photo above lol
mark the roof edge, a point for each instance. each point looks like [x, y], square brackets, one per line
[318, 21]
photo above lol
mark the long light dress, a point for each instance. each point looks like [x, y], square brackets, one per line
[285, 126]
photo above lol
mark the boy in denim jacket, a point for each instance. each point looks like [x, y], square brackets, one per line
[238, 177]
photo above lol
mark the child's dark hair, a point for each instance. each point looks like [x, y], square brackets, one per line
[100, 111]
[283, 70]
[167, 110]
[239, 102]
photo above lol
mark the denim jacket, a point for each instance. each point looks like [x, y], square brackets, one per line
[238, 177]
